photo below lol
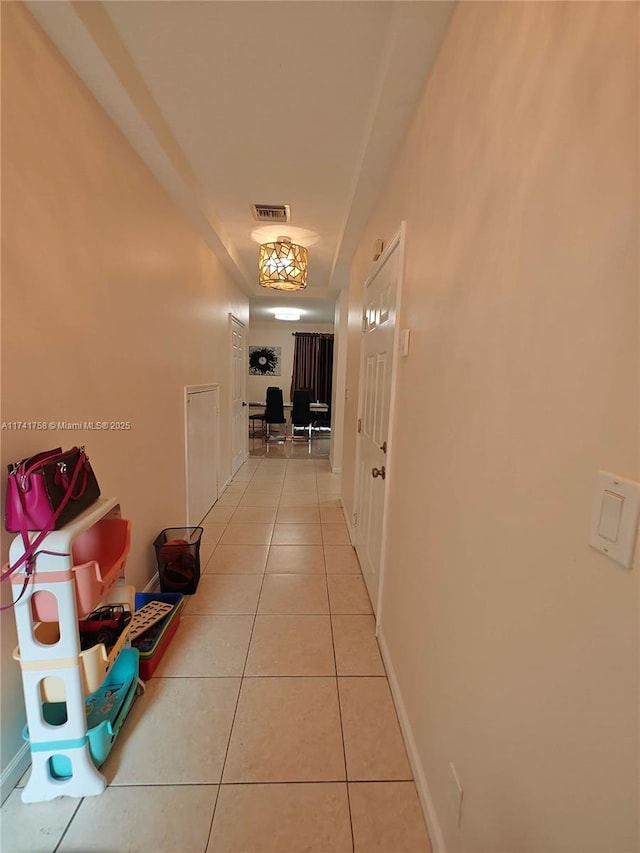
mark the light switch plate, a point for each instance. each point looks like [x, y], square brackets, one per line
[614, 521]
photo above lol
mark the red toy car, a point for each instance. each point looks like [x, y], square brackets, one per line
[104, 625]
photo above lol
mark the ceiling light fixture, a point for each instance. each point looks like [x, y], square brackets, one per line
[286, 314]
[283, 265]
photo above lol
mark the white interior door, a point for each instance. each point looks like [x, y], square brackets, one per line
[239, 408]
[375, 396]
[202, 428]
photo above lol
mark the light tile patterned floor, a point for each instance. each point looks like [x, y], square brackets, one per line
[269, 724]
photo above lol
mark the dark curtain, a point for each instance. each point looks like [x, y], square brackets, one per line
[313, 365]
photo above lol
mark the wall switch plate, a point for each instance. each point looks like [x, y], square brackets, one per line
[614, 519]
[455, 794]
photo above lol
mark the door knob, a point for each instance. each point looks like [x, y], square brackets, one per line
[379, 472]
[243, 403]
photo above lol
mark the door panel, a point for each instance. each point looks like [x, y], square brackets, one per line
[369, 399]
[202, 453]
[239, 408]
[379, 316]
[381, 400]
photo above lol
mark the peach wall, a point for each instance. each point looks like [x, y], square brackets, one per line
[513, 643]
[111, 304]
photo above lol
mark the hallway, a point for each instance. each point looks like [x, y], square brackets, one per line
[273, 686]
[499, 143]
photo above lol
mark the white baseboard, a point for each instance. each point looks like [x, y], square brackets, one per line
[426, 800]
[222, 489]
[14, 771]
[348, 520]
[350, 530]
[154, 584]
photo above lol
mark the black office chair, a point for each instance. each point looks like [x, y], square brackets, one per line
[323, 421]
[274, 409]
[301, 417]
[258, 416]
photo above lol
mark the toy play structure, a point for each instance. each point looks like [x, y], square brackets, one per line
[75, 700]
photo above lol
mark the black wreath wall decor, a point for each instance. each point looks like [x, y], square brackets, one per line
[264, 361]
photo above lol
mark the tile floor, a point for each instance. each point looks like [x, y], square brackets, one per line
[269, 724]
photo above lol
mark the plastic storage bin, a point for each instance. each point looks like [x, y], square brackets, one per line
[153, 643]
[98, 558]
[95, 661]
[178, 558]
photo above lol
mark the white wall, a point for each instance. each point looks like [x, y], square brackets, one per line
[515, 644]
[111, 304]
[277, 333]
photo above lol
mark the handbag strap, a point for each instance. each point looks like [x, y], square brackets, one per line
[31, 548]
[27, 579]
[85, 477]
[28, 576]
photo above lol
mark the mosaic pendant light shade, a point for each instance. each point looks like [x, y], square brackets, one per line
[283, 265]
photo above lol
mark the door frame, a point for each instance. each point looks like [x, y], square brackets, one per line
[198, 389]
[398, 242]
[245, 431]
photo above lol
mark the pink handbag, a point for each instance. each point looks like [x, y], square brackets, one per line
[45, 492]
[38, 493]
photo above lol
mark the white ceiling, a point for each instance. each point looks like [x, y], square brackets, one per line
[229, 103]
[312, 309]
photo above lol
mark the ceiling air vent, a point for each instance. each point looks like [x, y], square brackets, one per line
[271, 212]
